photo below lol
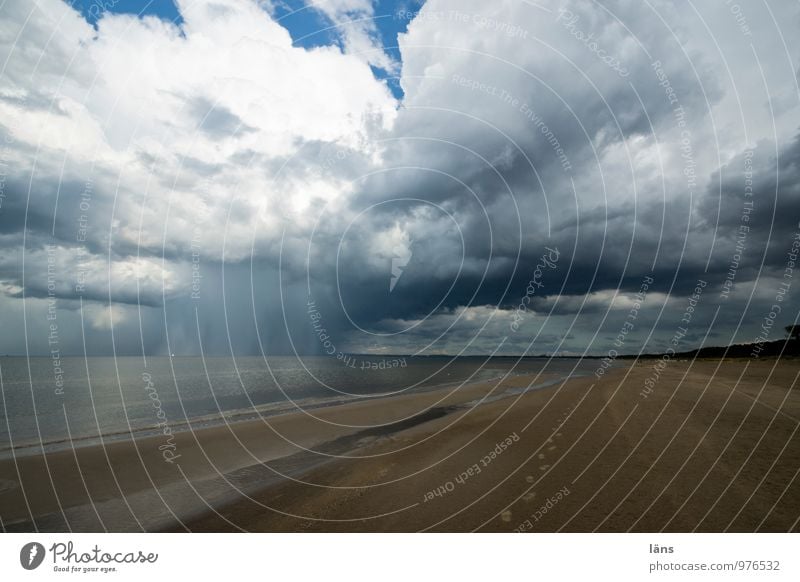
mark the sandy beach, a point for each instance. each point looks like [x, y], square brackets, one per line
[712, 446]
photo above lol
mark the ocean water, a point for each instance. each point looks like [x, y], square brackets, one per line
[74, 401]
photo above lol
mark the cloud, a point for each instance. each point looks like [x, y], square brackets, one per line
[153, 157]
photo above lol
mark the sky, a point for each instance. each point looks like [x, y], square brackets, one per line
[443, 177]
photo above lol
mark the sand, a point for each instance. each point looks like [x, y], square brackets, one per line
[713, 447]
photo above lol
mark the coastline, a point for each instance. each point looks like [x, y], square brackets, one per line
[209, 421]
[712, 447]
[124, 480]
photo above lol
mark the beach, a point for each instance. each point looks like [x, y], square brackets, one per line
[708, 445]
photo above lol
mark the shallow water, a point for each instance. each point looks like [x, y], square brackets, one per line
[80, 399]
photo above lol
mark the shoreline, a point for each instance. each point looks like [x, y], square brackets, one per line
[713, 447]
[212, 457]
[226, 418]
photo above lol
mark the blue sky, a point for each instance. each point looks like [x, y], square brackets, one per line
[307, 26]
[92, 9]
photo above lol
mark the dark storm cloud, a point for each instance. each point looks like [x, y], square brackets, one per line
[757, 194]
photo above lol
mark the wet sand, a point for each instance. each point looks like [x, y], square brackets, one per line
[713, 447]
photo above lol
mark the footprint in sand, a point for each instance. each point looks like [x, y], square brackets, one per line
[506, 516]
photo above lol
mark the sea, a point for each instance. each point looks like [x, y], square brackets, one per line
[50, 404]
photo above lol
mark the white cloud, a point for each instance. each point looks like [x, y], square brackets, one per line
[191, 118]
